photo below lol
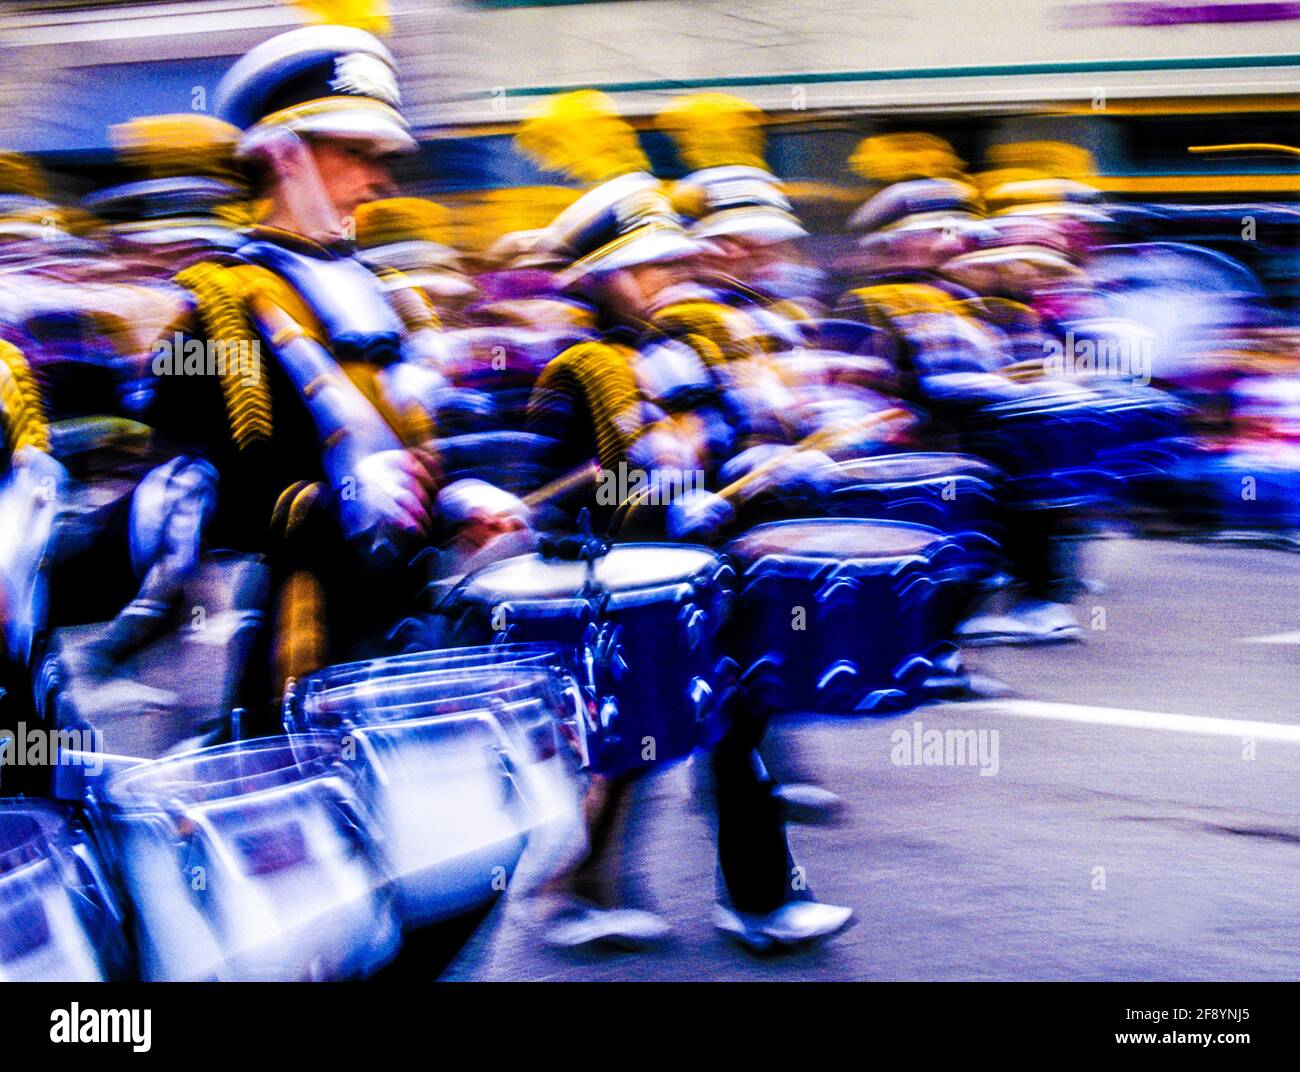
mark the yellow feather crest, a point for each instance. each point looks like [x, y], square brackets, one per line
[370, 15]
[715, 130]
[401, 219]
[1050, 159]
[582, 135]
[887, 158]
[188, 143]
[22, 176]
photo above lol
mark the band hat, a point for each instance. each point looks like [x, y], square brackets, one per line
[167, 198]
[336, 81]
[743, 202]
[622, 223]
[913, 197]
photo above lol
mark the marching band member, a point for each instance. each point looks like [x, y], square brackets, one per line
[635, 397]
[317, 435]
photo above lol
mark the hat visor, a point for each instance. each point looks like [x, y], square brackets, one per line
[382, 127]
[1066, 210]
[758, 226]
[649, 245]
[167, 235]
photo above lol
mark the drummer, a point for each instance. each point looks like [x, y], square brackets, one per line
[959, 342]
[319, 438]
[649, 402]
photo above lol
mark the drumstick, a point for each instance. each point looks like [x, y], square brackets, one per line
[577, 480]
[819, 440]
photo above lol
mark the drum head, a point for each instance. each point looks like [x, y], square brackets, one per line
[835, 540]
[903, 468]
[626, 567]
[223, 771]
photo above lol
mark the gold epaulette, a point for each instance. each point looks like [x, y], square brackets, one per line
[220, 297]
[1001, 312]
[882, 303]
[717, 323]
[22, 410]
[600, 374]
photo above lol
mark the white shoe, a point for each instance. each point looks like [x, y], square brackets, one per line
[1032, 621]
[583, 925]
[810, 805]
[793, 923]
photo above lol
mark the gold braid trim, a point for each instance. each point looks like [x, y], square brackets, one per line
[221, 312]
[601, 375]
[21, 408]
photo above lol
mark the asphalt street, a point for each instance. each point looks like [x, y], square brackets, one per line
[1120, 825]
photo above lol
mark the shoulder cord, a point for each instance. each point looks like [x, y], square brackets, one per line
[221, 311]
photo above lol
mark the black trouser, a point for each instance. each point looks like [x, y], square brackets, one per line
[1040, 552]
[753, 855]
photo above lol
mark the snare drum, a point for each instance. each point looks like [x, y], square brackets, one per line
[250, 861]
[642, 620]
[462, 759]
[844, 614]
[59, 920]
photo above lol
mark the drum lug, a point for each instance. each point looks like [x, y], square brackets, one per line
[700, 693]
[694, 620]
[836, 675]
[608, 711]
[608, 651]
[840, 589]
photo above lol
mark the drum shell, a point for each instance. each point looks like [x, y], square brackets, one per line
[818, 633]
[461, 764]
[60, 919]
[280, 882]
[649, 659]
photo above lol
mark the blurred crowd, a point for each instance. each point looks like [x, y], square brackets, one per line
[261, 419]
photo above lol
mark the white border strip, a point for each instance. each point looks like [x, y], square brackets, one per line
[1138, 720]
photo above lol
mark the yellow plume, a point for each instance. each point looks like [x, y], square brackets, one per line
[582, 135]
[888, 158]
[19, 175]
[164, 146]
[401, 219]
[1049, 159]
[371, 15]
[715, 130]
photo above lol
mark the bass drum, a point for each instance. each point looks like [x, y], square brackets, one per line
[948, 492]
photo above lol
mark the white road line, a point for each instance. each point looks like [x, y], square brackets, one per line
[1274, 638]
[1138, 720]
